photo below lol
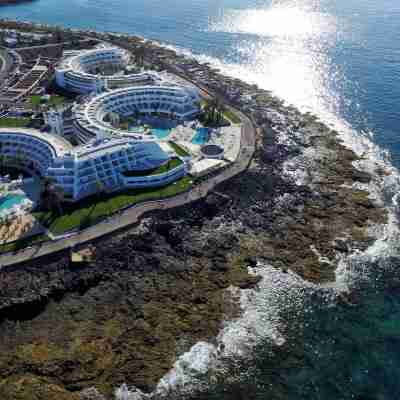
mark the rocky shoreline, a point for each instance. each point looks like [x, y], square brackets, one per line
[6, 2]
[157, 289]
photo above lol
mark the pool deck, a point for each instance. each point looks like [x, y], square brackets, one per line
[21, 227]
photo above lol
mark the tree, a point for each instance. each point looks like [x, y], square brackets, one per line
[51, 196]
[2, 163]
[220, 110]
[140, 53]
[99, 188]
[58, 35]
[213, 111]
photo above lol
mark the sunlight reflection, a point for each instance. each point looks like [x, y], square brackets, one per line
[298, 19]
[291, 55]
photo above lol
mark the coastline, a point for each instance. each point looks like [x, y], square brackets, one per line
[270, 216]
[8, 2]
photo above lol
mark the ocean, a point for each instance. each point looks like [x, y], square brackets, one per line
[341, 60]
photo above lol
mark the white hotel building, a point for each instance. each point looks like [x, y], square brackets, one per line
[84, 170]
[81, 71]
[111, 159]
[179, 102]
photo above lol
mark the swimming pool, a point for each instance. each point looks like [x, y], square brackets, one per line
[160, 133]
[201, 136]
[9, 201]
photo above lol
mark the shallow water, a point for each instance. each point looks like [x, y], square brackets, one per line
[9, 201]
[340, 352]
[341, 60]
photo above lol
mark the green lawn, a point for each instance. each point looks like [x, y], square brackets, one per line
[54, 100]
[23, 243]
[35, 100]
[231, 116]
[91, 210]
[180, 151]
[11, 122]
[168, 166]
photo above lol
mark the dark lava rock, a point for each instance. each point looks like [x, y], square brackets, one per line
[341, 246]
[361, 176]
[153, 290]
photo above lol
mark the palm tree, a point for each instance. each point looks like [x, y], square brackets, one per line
[214, 110]
[52, 196]
[99, 188]
[2, 163]
[220, 109]
[58, 35]
[140, 55]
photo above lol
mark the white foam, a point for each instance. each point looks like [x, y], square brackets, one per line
[259, 322]
[262, 308]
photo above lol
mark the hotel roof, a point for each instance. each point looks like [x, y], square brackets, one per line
[59, 144]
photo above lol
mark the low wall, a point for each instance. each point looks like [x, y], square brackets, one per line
[154, 180]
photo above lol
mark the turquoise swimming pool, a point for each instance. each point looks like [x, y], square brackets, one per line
[201, 136]
[10, 200]
[161, 133]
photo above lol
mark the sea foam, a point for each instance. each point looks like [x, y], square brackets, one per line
[262, 307]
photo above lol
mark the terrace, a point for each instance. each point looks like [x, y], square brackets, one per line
[162, 169]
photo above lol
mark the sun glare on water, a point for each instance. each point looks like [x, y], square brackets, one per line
[290, 54]
[300, 19]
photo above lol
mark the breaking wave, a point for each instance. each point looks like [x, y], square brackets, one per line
[266, 309]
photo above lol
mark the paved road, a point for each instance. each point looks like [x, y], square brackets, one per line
[5, 63]
[132, 215]
[50, 45]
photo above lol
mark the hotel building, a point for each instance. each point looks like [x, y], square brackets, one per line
[178, 102]
[89, 71]
[108, 164]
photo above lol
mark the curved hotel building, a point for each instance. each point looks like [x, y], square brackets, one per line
[82, 71]
[110, 164]
[110, 159]
[178, 102]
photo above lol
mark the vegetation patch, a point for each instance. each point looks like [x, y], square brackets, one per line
[23, 243]
[162, 169]
[14, 122]
[93, 209]
[54, 100]
[213, 114]
[179, 150]
[231, 116]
